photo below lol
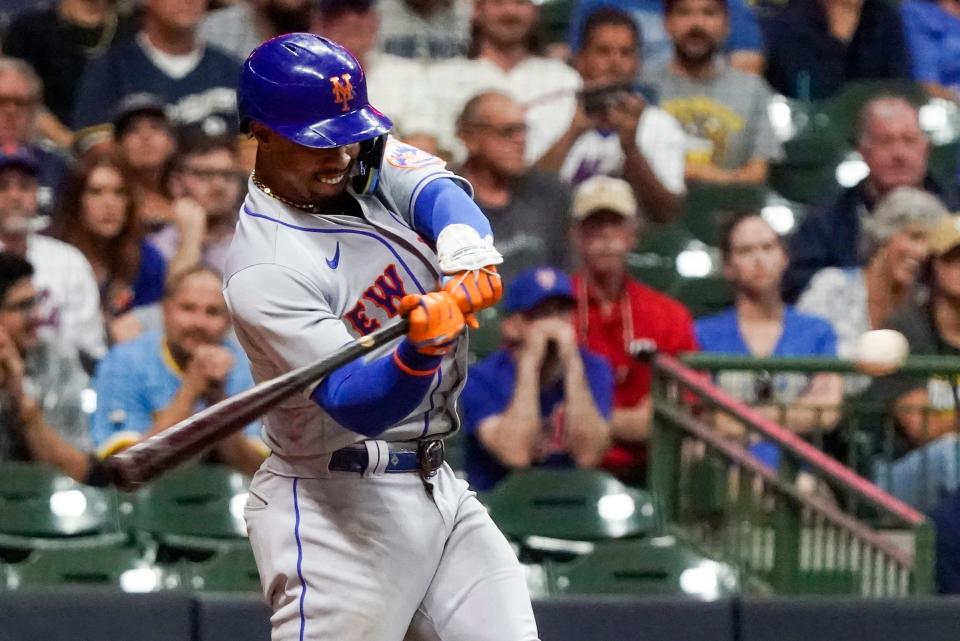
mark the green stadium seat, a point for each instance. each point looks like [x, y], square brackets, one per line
[943, 162]
[199, 507]
[842, 109]
[571, 504]
[663, 240]
[42, 508]
[707, 207]
[121, 567]
[555, 19]
[233, 570]
[659, 565]
[704, 296]
[653, 270]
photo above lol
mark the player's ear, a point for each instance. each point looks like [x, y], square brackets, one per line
[261, 132]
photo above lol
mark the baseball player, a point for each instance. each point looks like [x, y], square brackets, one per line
[359, 529]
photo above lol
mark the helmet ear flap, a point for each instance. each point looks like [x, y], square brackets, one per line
[368, 165]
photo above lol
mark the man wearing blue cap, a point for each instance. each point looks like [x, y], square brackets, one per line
[541, 400]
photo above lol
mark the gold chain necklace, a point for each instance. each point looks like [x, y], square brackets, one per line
[309, 208]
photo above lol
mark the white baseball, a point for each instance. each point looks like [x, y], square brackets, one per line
[880, 352]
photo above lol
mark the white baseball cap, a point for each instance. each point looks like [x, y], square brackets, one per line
[604, 193]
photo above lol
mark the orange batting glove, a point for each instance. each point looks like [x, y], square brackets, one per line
[475, 290]
[435, 322]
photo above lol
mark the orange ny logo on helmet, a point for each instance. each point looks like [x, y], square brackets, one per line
[342, 90]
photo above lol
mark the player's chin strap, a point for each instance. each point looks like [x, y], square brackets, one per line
[368, 165]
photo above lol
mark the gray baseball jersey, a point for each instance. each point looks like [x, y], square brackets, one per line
[301, 285]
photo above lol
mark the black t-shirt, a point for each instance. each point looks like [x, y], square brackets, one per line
[531, 230]
[915, 322]
[59, 51]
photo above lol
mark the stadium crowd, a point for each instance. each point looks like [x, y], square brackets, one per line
[121, 170]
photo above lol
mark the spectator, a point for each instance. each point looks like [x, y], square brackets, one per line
[20, 108]
[744, 46]
[925, 440]
[724, 111]
[425, 29]
[933, 33]
[58, 39]
[615, 132]
[616, 314]
[97, 217]
[760, 324]
[815, 46]
[894, 247]
[40, 393]
[166, 58]
[394, 84]
[895, 150]
[527, 208]
[160, 378]
[238, 28]
[207, 176]
[68, 300]
[147, 144]
[506, 60]
[541, 400]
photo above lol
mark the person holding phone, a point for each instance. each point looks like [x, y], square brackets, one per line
[616, 130]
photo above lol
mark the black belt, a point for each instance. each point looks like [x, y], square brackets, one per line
[426, 459]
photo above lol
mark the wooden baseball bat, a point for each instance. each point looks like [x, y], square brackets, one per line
[190, 437]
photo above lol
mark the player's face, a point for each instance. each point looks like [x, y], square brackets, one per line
[904, 253]
[302, 174]
[213, 180]
[19, 315]
[147, 143]
[610, 55]
[103, 205]
[757, 259]
[603, 240]
[195, 314]
[697, 28]
[894, 147]
[18, 106]
[506, 22]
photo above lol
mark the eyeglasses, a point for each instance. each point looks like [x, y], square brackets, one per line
[509, 130]
[21, 307]
[210, 174]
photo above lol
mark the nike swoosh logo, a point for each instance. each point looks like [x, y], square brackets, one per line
[334, 262]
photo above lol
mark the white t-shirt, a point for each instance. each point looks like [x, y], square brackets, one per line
[660, 138]
[69, 296]
[546, 88]
[395, 86]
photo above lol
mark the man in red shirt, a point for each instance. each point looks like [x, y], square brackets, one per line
[615, 311]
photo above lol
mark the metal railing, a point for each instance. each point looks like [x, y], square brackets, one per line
[794, 529]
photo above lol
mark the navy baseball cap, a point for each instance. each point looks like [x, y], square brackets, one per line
[137, 104]
[533, 286]
[20, 157]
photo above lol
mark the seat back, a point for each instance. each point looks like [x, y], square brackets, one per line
[37, 501]
[572, 504]
[202, 500]
[120, 567]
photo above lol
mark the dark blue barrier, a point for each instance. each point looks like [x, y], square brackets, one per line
[96, 615]
[833, 619]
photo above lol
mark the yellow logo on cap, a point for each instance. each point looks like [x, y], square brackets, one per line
[342, 91]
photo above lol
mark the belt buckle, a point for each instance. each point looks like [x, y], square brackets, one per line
[430, 456]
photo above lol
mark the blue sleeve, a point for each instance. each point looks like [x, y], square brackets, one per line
[744, 29]
[600, 377]
[96, 96]
[369, 397]
[444, 202]
[923, 38]
[148, 287]
[121, 407]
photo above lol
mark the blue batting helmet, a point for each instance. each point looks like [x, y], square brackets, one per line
[309, 90]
